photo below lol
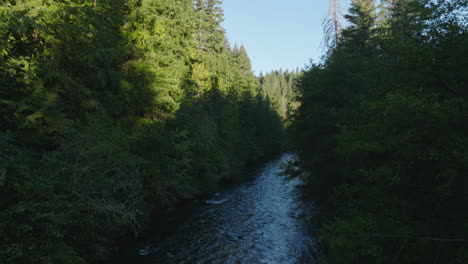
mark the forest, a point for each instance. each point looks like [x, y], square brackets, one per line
[278, 87]
[381, 133]
[113, 110]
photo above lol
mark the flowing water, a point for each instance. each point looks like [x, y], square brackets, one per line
[257, 221]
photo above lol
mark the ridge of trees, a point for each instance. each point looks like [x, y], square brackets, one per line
[278, 87]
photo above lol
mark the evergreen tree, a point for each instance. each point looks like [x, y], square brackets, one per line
[113, 110]
[244, 61]
[378, 135]
[362, 17]
[278, 87]
[210, 36]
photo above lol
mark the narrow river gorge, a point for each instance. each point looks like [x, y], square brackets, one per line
[257, 221]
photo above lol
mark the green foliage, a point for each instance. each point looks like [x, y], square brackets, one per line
[362, 18]
[382, 128]
[110, 110]
[278, 88]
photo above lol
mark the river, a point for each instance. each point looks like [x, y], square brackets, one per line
[260, 220]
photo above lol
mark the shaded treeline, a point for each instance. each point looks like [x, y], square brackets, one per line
[382, 132]
[278, 87]
[110, 110]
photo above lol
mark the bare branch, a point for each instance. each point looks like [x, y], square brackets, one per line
[332, 25]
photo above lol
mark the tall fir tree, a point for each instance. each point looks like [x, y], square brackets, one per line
[362, 18]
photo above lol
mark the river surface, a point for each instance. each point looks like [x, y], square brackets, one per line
[257, 221]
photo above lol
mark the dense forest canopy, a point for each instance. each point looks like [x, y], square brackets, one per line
[114, 111]
[111, 110]
[278, 87]
[381, 133]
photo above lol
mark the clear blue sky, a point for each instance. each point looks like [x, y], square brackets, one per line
[277, 33]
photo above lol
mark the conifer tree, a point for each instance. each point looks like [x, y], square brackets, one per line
[362, 17]
[365, 129]
[244, 60]
[210, 35]
[112, 110]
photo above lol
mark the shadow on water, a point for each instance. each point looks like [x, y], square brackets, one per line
[256, 221]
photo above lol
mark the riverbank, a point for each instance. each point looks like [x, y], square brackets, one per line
[249, 218]
[165, 221]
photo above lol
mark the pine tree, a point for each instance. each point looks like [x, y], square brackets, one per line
[210, 35]
[111, 110]
[365, 128]
[154, 79]
[362, 17]
[244, 61]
